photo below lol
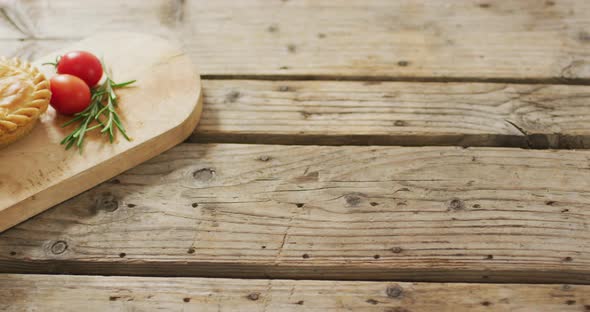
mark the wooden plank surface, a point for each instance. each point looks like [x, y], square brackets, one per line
[459, 39]
[95, 293]
[31, 49]
[395, 113]
[422, 214]
[37, 172]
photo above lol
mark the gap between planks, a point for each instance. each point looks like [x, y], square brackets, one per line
[424, 79]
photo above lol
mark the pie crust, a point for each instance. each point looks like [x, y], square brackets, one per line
[24, 96]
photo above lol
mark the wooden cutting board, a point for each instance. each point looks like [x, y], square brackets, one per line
[161, 111]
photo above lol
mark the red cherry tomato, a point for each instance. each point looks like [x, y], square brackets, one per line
[69, 94]
[81, 64]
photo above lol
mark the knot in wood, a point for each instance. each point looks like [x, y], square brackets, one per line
[396, 249]
[204, 174]
[456, 204]
[232, 96]
[394, 291]
[273, 28]
[254, 296]
[106, 202]
[354, 199]
[59, 247]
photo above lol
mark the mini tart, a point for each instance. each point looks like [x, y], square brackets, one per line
[24, 96]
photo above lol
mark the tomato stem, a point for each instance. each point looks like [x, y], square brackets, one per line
[54, 64]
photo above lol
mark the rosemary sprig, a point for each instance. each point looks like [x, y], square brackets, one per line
[101, 113]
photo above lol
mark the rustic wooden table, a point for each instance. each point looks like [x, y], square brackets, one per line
[353, 155]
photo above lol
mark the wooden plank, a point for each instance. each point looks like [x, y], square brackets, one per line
[97, 293]
[420, 214]
[31, 49]
[395, 113]
[458, 39]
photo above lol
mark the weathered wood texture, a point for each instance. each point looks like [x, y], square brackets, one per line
[460, 39]
[398, 113]
[94, 293]
[511, 40]
[422, 214]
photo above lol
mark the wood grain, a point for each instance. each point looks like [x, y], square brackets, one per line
[458, 39]
[32, 49]
[95, 293]
[420, 214]
[37, 172]
[395, 113]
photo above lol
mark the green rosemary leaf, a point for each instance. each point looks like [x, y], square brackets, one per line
[101, 111]
[122, 84]
[66, 139]
[120, 127]
[70, 144]
[93, 127]
[71, 121]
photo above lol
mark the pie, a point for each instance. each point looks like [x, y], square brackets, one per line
[24, 96]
